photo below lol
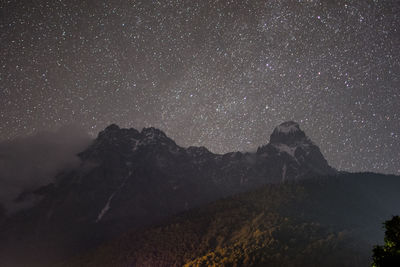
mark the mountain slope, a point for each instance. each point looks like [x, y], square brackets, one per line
[325, 221]
[129, 179]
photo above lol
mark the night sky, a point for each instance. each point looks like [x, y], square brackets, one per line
[219, 74]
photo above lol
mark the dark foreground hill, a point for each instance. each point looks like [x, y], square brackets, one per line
[324, 221]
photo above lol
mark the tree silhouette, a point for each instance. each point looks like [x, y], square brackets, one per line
[389, 254]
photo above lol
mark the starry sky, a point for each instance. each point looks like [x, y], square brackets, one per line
[220, 74]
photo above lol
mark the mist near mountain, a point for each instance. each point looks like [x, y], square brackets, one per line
[27, 163]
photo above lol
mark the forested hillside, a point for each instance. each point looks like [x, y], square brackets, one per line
[329, 221]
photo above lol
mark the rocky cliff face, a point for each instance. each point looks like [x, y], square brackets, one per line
[129, 179]
[290, 149]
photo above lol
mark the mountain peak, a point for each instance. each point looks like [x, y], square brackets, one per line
[295, 152]
[112, 127]
[288, 126]
[287, 133]
[151, 132]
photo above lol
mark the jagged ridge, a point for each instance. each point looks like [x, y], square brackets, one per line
[129, 179]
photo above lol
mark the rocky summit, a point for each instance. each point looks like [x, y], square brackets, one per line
[294, 153]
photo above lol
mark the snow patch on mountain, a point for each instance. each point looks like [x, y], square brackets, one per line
[134, 144]
[108, 206]
[284, 168]
[282, 148]
[288, 127]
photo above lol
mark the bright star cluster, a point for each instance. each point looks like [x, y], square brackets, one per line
[220, 74]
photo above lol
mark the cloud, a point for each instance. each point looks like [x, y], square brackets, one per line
[29, 162]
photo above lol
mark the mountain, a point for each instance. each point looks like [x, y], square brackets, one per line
[293, 153]
[129, 179]
[321, 221]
